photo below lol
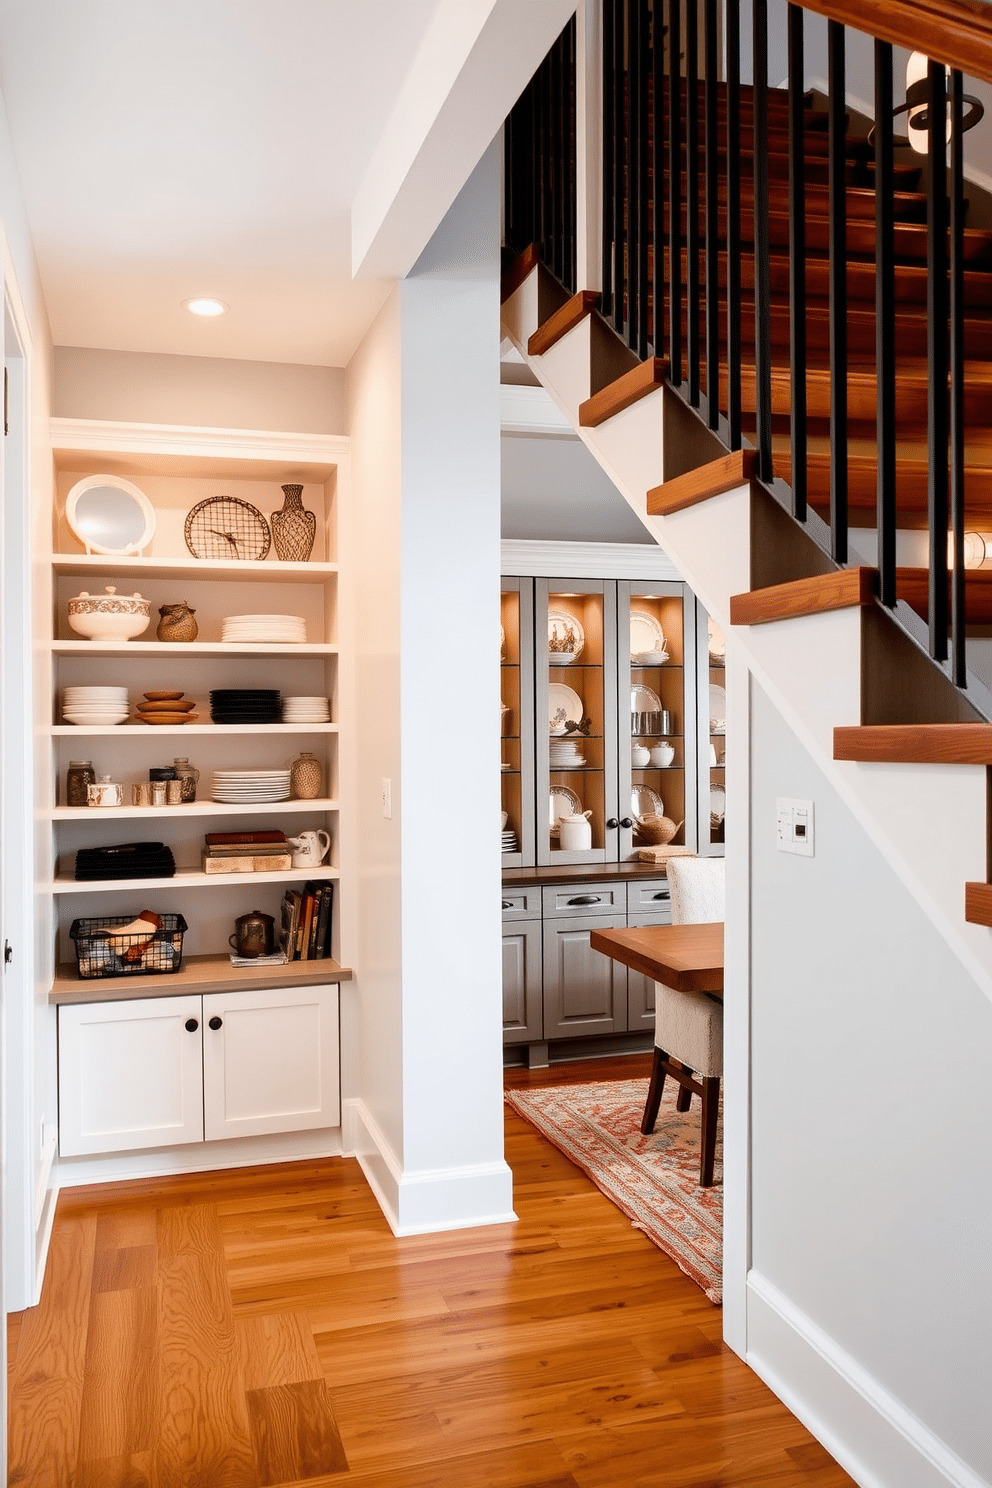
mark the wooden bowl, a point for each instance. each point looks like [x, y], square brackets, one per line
[162, 697]
[168, 717]
[161, 705]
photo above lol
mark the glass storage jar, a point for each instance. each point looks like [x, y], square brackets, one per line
[78, 778]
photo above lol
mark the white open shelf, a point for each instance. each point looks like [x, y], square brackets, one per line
[192, 809]
[217, 730]
[85, 565]
[193, 648]
[186, 878]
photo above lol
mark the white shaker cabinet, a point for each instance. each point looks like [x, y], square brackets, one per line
[162, 1071]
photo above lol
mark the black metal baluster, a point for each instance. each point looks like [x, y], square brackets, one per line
[619, 158]
[692, 241]
[959, 663]
[885, 339]
[712, 169]
[797, 259]
[568, 158]
[675, 192]
[837, 190]
[643, 176]
[762, 282]
[633, 173]
[733, 26]
[658, 174]
[554, 160]
[937, 440]
[609, 179]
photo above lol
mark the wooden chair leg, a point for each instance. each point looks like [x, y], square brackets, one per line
[653, 1103]
[711, 1110]
[683, 1100]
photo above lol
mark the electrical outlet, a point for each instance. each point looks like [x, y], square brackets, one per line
[794, 820]
[387, 797]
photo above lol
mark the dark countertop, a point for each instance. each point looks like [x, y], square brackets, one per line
[583, 873]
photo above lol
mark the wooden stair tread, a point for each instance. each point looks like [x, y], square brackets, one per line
[525, 262]
[915, 743]
[913, 586]
[645, 378]
[711, 479]
[841, 590]
[564, 320]
[978, 903]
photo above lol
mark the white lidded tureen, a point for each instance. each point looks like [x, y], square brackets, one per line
[109, 616]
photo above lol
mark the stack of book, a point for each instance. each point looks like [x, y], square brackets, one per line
[305, 921]
[246, 852]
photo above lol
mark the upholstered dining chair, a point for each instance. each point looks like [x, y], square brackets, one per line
[688, 1026]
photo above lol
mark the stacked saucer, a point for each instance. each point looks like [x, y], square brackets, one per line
[247, 787]
[94, 707]
[257, 628]
[563, 754]
[306, 710]
[509, 840]
[245, 705]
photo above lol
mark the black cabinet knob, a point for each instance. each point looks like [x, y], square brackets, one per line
[626, 823]
[215, 1023]
[507, 903]
[192, 1024]
[612, 823]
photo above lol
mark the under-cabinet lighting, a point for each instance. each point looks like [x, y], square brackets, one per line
[205, 305]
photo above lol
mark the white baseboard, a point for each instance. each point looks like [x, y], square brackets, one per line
[870, 1433]
[43, 1236]
[420, 1203]
[199, 1157]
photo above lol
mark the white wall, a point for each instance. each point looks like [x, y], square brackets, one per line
[424, 405]
[871, 1134]
[218, 392]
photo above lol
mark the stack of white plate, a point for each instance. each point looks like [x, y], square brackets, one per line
[306, 710]
[255, 628]
[563, 754]
[249, 786]
[94, 707]
[509, 841]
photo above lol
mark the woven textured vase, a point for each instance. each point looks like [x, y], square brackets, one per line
[177, 623]
[293, 527]
[306, 777]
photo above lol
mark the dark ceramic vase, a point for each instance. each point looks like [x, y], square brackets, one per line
[293, 527]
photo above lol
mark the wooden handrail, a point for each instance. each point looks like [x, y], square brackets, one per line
[955, 32]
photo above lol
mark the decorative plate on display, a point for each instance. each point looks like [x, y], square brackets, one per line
[718, 804]
[716, 641]
[646, 802]
[644, 700]
[502, 641]
[562, 802]
[646, 636]
[566, 637]
[564, 706]
[718, 710]
[227, 527]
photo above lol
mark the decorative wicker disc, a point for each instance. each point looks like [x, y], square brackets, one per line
[227, 527]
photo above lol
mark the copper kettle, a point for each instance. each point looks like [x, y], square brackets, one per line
[253, 934]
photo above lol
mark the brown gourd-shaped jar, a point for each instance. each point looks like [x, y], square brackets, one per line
[306, 777]
[293, 527]
[177, 623]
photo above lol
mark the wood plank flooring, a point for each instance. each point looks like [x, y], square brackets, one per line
[262, 1328]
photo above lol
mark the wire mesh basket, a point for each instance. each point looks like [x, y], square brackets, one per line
[100, 952]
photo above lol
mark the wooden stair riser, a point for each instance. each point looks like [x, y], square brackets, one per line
[910, 238]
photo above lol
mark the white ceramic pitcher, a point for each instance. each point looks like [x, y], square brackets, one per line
[310, 848]
[575, 833]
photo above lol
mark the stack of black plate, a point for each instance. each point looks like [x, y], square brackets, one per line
[126, 860]
[245, 705]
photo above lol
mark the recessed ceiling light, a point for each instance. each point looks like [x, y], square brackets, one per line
[205, 305]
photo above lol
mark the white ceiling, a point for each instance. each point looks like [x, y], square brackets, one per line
[171, 148]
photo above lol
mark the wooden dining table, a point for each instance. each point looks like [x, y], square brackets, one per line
[686, 957]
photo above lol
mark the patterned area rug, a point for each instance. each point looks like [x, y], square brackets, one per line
[655, 1179]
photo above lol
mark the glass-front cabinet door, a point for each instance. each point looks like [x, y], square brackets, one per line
[576, 720]
[712, 734]
[657, 758]
[517, 721]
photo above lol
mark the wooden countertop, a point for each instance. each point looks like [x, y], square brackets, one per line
[686, 957]
[198, 974]
[583, 872]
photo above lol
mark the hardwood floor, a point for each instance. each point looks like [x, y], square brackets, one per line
[263, 1327]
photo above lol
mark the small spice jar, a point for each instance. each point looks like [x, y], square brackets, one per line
[79, 776]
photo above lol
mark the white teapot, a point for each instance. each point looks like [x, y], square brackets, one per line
[575, 833]
[310, 848]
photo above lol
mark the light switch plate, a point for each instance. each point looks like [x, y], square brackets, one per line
[794, 820]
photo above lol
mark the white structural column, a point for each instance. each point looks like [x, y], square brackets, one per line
[424, 1087]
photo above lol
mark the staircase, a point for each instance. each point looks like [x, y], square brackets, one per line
[900, 741]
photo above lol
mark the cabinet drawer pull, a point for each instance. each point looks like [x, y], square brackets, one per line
[215, 1023]
[586, 899]
[192, 1024]
[664, 894]
[507, 903]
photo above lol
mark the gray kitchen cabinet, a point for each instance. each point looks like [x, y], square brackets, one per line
[647, 904]
[585, 994]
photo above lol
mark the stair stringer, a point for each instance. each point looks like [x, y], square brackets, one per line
[710, 545]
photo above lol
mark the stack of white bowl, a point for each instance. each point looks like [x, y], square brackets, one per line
[306, 710]
[94, 707]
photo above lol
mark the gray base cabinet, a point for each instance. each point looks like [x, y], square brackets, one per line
[555, 986]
